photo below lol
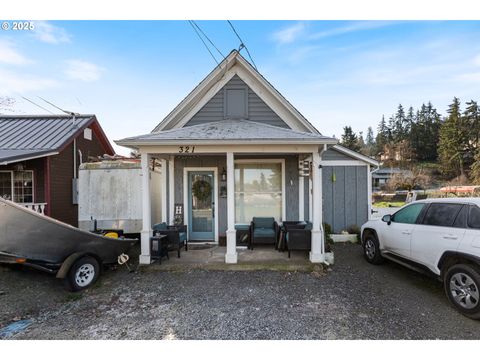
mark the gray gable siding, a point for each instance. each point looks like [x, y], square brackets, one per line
[257, 109]
[332, 154]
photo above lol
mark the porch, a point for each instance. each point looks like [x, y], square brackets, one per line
[212, 257]
[222, 151]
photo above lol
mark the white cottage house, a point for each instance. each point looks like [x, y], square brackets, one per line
[254, 154]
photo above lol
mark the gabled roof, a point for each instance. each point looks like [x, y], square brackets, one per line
[231, 132]
[24, 137]
[234, 64]
[356, 155]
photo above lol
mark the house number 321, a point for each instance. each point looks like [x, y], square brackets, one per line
[186, 149]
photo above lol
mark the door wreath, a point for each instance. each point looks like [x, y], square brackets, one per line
[201, 189]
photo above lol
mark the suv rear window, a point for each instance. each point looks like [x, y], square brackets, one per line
[439, 214]
[474, 217]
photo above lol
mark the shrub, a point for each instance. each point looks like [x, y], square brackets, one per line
[354, 229]
[327, 231]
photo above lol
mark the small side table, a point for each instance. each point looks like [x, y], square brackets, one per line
[158, 247]
[243, 235]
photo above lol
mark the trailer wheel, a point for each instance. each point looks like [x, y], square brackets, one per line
[83, 273]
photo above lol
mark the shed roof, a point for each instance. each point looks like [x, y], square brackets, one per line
[25, 137]
[230, 131]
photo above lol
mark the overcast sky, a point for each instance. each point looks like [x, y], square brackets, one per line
[132, 73]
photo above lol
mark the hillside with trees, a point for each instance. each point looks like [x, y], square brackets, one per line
[446, 146]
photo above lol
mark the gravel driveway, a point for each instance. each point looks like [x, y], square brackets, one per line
[353, 301]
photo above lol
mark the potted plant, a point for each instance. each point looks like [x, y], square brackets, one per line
[329, 257]
[351, 234]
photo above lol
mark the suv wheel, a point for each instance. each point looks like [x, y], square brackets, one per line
[462, 286]
[371, 249]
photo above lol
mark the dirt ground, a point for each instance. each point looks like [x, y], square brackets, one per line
[355, 300]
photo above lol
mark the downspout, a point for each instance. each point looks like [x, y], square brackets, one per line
[370, 191]
[74, 150]
[80, 157]
[322, 150]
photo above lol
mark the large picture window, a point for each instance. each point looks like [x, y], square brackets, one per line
[17, 186]
[258, 190]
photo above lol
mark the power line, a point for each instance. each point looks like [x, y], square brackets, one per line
[210, 41]
[55, 106]
[242, 44]
[204, 43]
[41, 107]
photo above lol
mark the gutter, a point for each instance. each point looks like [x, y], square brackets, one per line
[161, 142]
[6, 162]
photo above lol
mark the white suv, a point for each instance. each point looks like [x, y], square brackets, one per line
[436, 236]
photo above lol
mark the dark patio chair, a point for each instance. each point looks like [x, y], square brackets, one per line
[176, 236]
[299, 239]
[263, 230]
[288, 225]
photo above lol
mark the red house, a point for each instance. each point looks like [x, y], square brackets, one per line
[40, 156]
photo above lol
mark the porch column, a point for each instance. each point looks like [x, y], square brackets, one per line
[171, 189]
[301, 198]
[146, 211]
[231, 255]
[369, 196]
[164, 193]
[317, 254]
[310, 199]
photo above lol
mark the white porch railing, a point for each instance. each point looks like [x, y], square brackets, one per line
[38, 207]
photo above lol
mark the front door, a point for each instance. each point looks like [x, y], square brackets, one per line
[201, 205]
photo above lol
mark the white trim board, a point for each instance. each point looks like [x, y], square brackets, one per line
[269, 161]
[343, 163]
[29, 158]
[355, 155]
[186, 170]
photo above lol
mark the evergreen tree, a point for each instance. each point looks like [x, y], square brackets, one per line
[391, 129]
[471, 119]
[452, 142]
[382, 136]
[424, 133]
[369, 143]
[370, 140]
[475, 168]
[398, 125]
[360, 140]
[349, 139]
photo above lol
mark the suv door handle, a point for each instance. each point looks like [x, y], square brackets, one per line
[450, 237]
[406, 232]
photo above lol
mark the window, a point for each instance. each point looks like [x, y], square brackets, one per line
[474, 217]
[6, 184]
[461, 220]
[258, 190]
[441, 214]
[236, 103]
[409, 214]
[17, 186]
[87, 134]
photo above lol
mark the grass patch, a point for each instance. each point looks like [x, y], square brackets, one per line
[386, 204]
